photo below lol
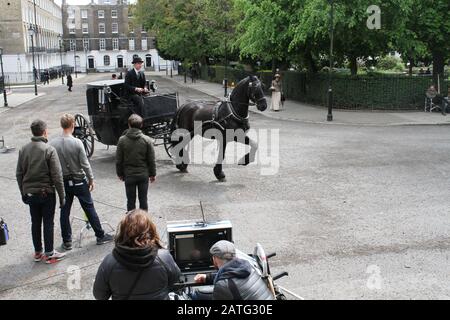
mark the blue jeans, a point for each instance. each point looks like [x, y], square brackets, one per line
[42, 209]
[79, 189]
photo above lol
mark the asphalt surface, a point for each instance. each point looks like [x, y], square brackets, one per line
[352, 212]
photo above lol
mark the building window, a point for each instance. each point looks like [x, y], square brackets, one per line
[101, 14]
[102, 44]
[144, 44]
[115, 44]
[115, 27]
[72, 45]
[113, 13]
[86, 44]
[131, 44]
[101, 28]
[84, 14]
[85, 28]
[72, 29]
[71, 14]
[106, 60]
[131, 27]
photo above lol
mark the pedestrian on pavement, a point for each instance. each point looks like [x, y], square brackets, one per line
[120, 76]
[69, 82]
[135, 163]
[78, 182]
[46, 77]
[276, 89]
[139, 267]
[38, 174]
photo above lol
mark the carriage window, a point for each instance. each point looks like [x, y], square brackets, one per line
[106, 60]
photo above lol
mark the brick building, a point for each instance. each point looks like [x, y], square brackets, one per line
[101, 37]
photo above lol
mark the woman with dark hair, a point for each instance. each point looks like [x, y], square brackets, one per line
[139, 268]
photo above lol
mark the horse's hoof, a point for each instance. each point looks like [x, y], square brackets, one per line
[219, 175]
[182, 167]
[245, 161]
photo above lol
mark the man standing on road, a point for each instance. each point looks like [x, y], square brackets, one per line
[75, 166]
[38, 173]
[135, 163]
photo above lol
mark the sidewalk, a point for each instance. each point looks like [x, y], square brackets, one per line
[16, 99]
[301, 112]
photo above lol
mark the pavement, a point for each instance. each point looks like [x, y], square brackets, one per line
[23, 93]
[306, 113]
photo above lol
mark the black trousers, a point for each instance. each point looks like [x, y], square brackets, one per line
[141, 184]
[42, 211]
[138, 104]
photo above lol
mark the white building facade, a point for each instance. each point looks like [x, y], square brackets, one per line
[44, 17]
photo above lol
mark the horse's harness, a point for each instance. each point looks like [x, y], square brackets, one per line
[218, 121]
[226, 107]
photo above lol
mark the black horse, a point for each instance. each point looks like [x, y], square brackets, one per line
[222, 116]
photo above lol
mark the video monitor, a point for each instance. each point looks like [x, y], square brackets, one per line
[189, 243]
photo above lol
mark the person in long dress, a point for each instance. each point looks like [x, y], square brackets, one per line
[276, 93]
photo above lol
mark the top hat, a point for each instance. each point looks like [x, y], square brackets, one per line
[136, 60]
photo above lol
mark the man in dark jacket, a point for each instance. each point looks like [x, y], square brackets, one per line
[135, 163]
[135, 85]
[38, 173]
[236, 279]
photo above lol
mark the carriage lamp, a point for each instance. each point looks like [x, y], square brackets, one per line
[31, 34]
[3, 79]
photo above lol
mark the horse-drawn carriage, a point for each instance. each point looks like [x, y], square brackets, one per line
[109, 109]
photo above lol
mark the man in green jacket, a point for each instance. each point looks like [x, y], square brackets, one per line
[38, 174]
[135, 163]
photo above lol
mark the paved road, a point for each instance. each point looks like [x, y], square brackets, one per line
[353, 212]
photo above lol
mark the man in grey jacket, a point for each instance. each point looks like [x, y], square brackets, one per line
[236, 279]
[78, 182]
[135, 163]
[38, 174]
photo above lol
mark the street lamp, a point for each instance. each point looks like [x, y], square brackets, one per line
[330, 85]
[60, 56]
[31, 33]
[3, 78]
[75, 59]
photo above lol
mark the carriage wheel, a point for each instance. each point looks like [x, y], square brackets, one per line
[84, 132]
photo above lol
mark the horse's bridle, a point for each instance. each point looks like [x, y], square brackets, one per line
[251, 94]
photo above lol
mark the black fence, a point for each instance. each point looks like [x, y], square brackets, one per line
[369, 92]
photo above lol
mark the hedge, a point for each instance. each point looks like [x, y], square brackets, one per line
[370, 92]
